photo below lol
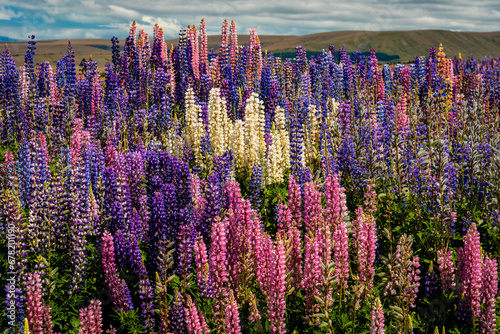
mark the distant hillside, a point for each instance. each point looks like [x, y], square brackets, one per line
[393, 46]
[404, 44]
[6, 39]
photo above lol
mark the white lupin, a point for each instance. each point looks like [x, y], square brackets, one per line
[194, 128]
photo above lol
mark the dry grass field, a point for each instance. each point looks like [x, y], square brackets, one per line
[405, 44]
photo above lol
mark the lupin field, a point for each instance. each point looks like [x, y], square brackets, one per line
[178, 189]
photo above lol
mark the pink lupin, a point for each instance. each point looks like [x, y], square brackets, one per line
[402, 117]
[140, 45]
[313, 211]
[24, 79]
[405, 80]
[295, 201]
[159, 38]
[446, 270]
[192, 35]
[218, 267]
[53, 90]
[489, 290]
[276, 303]
[312, 265]
[203, 43]
[377, 317]
[295, 262]
[91, 318]
[232, 315]
[224, 34]
[79, 140]
[42, 141]
[335, 207]
[195, 320]
[37, 313]
[234, 45]
[341, 254]
[117, 286]
[380, 87]
[133, 33]
[198, 200]
[240, 233]
[365, 240]
[201, 261]
[218, 255]
[251, 60]
[469, 270]
[214, 72]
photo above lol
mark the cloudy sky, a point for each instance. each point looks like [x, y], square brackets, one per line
[56, 19]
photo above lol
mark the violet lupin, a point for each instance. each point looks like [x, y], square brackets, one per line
[295, 208]
[39, 228]
[255, 185]
[186, 235]
[146, 295]
[177, 315]
[430, 283]
[16, 230]
[79, 222]
[10, 96]
[24, 170]
[213, 204]
[123, 198]
[136, 173]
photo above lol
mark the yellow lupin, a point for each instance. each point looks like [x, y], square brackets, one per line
[26, 326]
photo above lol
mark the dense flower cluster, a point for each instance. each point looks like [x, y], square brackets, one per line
[189, 191]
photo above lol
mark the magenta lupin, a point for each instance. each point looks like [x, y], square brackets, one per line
[91, 318]
[377, 317]
[469, 271]
[446, 270]
[489, 290]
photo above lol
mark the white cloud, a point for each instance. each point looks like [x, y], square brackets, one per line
[74, 18]
[170, 27]
[123, 12]
[8, 14]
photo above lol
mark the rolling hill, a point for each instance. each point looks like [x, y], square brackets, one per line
[400, 46]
